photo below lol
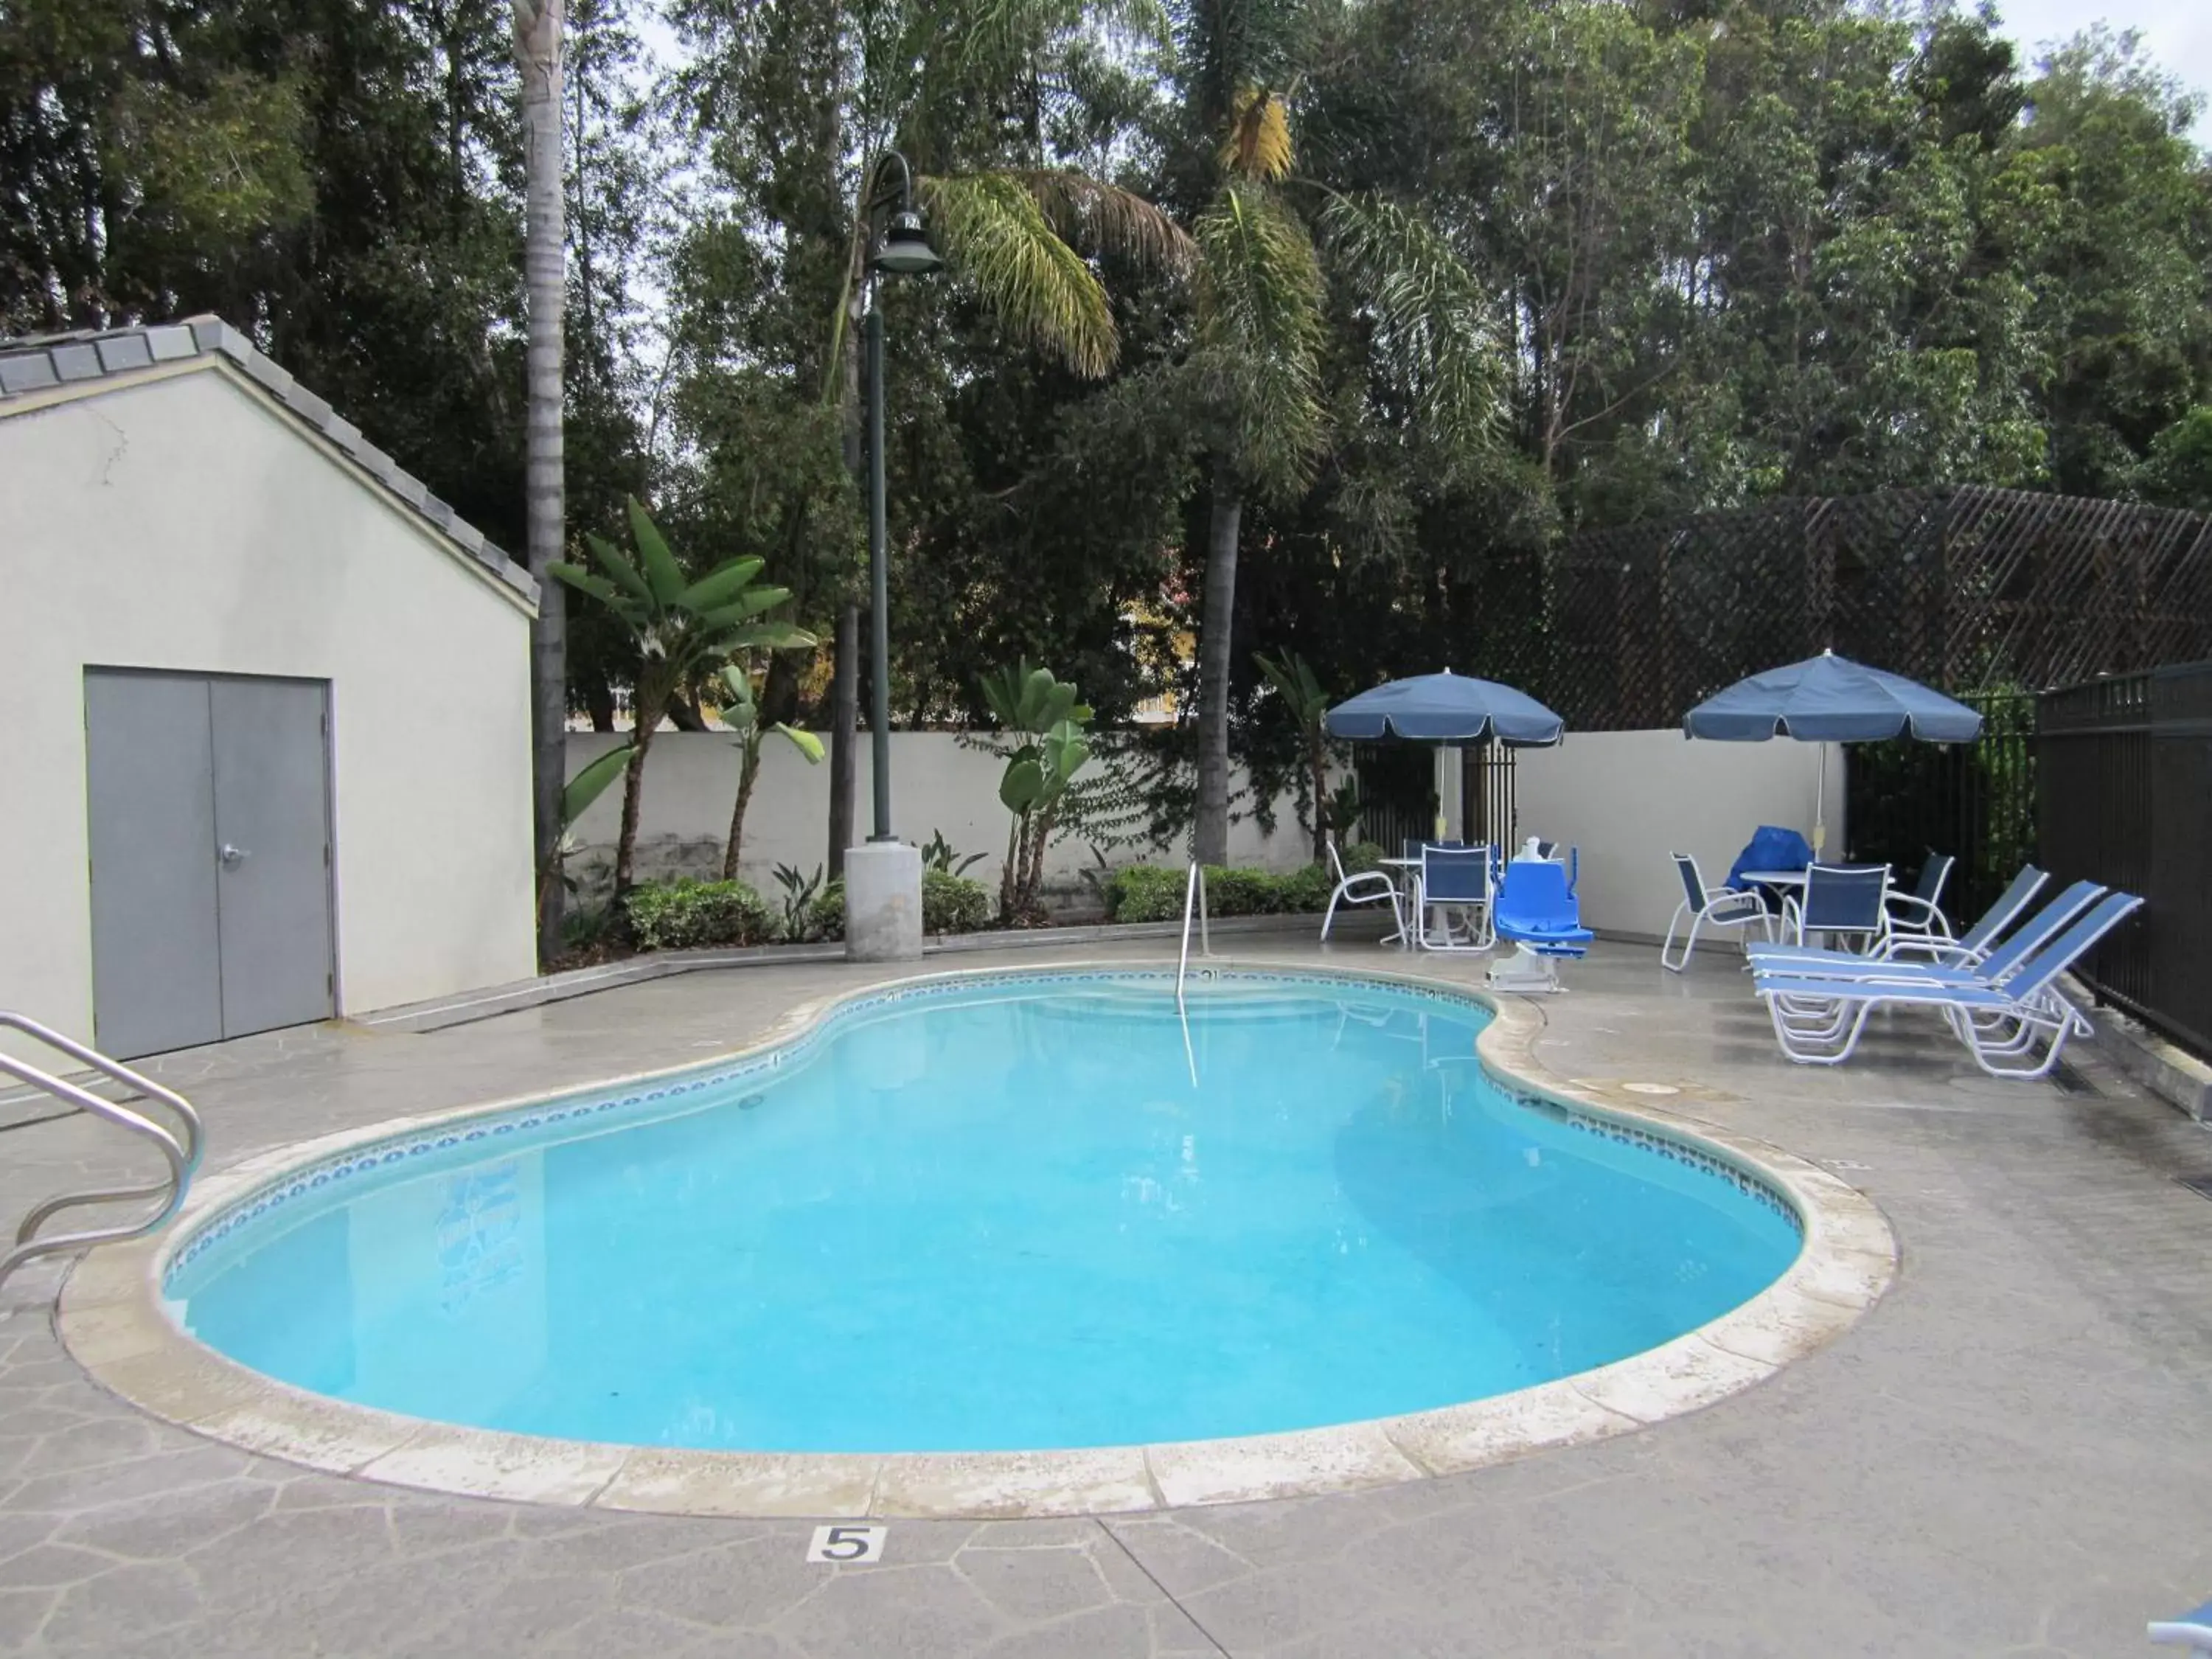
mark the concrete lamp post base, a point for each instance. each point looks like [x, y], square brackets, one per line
[882, 902]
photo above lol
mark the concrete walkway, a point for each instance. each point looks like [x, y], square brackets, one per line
[2010, 1455]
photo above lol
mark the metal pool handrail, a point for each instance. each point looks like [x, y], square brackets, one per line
[181, 1150]
[1194, 899]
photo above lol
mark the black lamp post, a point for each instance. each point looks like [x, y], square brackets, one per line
[902, 250]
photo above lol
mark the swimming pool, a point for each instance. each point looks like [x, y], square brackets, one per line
[995, 1215]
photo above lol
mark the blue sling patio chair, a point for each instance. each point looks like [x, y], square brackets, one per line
[2014, 1027]
[1537, 911]
[1840, 898]
[1710, 907]
[1921, 910]
[1455, 909]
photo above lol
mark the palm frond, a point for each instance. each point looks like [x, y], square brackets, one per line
[1260, 330]
[1106, 219]
[1432, 323]
[1259, 141]
[994, 232]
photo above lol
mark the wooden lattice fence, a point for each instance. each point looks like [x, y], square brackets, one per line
[1963, 587]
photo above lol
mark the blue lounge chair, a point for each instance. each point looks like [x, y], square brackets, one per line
[1538, 913]
[1984, 966]
[2014, 1027]
[2191, 1630]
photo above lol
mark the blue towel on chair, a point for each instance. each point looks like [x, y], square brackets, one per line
[1771, 849]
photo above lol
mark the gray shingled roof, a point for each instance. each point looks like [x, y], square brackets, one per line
[40, 363]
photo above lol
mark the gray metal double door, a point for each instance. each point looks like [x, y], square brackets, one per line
[210, 812]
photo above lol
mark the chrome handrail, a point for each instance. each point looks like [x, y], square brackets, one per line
[1193, 896]
[181, 1150]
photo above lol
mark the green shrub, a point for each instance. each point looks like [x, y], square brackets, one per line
[1234, 892]
[1146, 892]
[1306, 889]
[680, 915]
[950, 904]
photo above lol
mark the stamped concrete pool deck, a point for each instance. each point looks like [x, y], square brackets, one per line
[2009, 1454]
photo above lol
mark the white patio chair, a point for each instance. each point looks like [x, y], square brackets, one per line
[1367, 887]
[1710, 907]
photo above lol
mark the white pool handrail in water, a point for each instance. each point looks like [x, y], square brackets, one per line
[181, 1151]
[1194, 899]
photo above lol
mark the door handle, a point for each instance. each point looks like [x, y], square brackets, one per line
[232, 857]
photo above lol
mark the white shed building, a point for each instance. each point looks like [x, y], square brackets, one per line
[265, 705]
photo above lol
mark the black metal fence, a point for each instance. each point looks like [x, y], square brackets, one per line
[1398, 792]
[2125, 798]
[1975, 801]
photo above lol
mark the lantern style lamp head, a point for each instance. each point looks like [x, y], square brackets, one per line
[904, 249]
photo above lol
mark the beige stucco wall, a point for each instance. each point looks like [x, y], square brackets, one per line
[186, 523]
[1628, 799]
[938, 783]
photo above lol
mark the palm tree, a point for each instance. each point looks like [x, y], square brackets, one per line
[1268, 242]
[684, 630]
[538, 30]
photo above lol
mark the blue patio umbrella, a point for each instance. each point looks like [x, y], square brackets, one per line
[1446, 708]
[1449, 710]
[1831, 699]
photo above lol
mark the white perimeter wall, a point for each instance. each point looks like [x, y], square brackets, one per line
[185, 523]
[1629, 799]
[936, 783]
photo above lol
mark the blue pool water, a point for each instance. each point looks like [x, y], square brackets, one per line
[1002, 1217]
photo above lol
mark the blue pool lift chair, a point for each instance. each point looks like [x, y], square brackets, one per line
[2192, 1630]
[1536, 910]
[1710, 907]
[1367, 887]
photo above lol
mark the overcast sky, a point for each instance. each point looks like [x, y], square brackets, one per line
[2178, 34]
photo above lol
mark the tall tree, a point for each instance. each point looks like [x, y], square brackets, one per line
[537, 27]
[1269, 239]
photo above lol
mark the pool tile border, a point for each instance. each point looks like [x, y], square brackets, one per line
[113, 1321]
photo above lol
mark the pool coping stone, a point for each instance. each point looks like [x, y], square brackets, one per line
[113, 1321]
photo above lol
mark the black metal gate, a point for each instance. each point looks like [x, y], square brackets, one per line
[1398, 792]
[1485, 795]
[2126, 799]
[1976, 801]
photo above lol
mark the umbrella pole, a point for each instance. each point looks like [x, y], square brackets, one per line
[1821, 799]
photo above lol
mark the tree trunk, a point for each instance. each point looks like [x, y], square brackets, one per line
[1010, 876]
[633, 799]
[748, 775]
[1040, 838]
[1210, 845]
[844, 735]
[1318, 759]
[537, 54]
